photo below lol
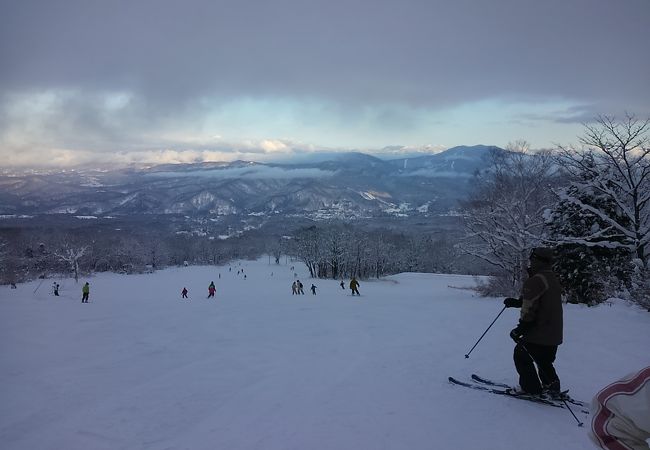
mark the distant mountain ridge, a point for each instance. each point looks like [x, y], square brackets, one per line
[345, 185]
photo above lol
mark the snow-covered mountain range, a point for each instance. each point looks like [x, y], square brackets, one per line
[343, 185]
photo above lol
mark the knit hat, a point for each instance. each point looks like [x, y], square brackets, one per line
[543, 254]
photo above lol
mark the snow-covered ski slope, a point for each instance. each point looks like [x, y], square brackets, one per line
[258, 368]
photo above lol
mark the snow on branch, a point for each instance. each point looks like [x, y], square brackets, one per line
[614, 172]
[71, 255]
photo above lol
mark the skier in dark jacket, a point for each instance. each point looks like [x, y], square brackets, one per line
[211, 290]
[184, 293]
[539, 332]
[313, 289]
[354, 286]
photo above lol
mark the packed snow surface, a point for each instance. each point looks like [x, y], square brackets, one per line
[260, 368]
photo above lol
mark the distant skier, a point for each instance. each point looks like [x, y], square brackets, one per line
[56, 289]
[300, 287]
[211, 290]
[354, 286]
[184, 293]
[85, 291]
[294, 288]
[342, 285]
[313, 289]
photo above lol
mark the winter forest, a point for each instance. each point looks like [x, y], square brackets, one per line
[590, 202]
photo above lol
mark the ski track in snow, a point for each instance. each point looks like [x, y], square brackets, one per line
[258, 368]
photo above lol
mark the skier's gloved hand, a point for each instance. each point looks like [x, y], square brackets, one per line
[513, 302]
[520, 330]
[516, 334]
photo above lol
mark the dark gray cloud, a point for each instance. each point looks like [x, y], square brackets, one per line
[581, 114]
[431, 53]
[159, 78]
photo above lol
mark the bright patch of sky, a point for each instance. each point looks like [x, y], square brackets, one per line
[261, 128]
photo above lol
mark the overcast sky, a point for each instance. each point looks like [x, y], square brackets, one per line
[86, 81]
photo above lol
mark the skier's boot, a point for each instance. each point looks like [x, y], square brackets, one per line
[553, 391]
[518, 391]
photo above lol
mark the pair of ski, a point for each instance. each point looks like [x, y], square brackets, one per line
[485, 385]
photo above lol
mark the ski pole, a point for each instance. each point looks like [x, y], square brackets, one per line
[39, 285]
[563, 399]
[572, 413]
[479, 339]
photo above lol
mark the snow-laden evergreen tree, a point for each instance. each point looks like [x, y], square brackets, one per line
[505, 216]
[588, 273]
[613, 167]
[615, 164]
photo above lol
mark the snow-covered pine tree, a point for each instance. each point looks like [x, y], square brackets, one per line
[614, 165]
[589, 273]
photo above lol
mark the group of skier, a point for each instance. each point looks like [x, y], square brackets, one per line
[85, 291]
[297, 287]
[212, 289]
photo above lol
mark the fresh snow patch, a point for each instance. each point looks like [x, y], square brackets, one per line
[258, 368]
